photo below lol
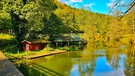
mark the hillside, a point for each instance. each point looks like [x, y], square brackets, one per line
[28, 19]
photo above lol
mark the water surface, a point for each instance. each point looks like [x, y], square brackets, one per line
[88, 62]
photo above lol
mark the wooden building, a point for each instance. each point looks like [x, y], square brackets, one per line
[67, 40]
[33, 45]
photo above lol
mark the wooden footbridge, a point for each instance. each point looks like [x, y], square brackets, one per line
[45, 54]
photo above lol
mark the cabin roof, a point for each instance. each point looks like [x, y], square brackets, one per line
[66, 38]
[35, 41]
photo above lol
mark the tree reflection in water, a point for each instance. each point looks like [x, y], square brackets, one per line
[113, 57]
[130, 62]
[84, 65]
[88, 62]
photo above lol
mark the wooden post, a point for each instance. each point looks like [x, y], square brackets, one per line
[68, 43]
[60, 43]
[56, 44]
[79, 43]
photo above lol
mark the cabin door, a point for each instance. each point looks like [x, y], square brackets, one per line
[27, 47]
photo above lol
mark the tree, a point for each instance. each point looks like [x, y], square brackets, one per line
[54, 25]
[26, 15]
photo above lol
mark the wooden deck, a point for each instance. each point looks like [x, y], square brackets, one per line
[7, 68]
[45, 54]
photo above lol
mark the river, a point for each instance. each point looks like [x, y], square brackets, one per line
[87, 62]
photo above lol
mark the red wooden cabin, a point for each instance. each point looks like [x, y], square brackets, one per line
[29, 45]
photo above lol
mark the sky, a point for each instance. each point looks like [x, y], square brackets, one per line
[100, 6]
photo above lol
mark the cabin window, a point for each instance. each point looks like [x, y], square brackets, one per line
[36, 48]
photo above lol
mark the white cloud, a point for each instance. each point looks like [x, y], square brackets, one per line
[66, 2]
[123, 2]
[70, 1]
[111, 3]
[89, 5]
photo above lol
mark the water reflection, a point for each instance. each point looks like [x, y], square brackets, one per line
[74, 70]
[115, 57]
[89, 62]
[130, 62]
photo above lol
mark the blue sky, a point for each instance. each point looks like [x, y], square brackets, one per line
[100, 6]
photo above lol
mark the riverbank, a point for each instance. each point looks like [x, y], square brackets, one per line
[24, 57]
[7, 68]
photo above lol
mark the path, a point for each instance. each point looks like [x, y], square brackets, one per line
[7, 68]
[45, 54]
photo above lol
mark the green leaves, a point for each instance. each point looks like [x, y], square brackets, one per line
[5, 20]
[28, 14]
[42, 17]
[32, 13]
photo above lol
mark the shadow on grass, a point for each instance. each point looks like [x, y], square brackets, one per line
[46, 71]
[37, 70]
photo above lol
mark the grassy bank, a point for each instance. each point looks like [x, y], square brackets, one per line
[20, 55]
[9, 47]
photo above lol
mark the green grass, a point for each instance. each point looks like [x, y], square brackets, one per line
[20, 55]
[19, 58]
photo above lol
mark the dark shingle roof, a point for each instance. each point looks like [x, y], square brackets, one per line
[66, 38]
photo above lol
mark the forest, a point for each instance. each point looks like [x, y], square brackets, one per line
[41, 19]
[110, 38]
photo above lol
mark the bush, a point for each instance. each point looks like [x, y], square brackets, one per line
[8, 43]
[69, 48]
